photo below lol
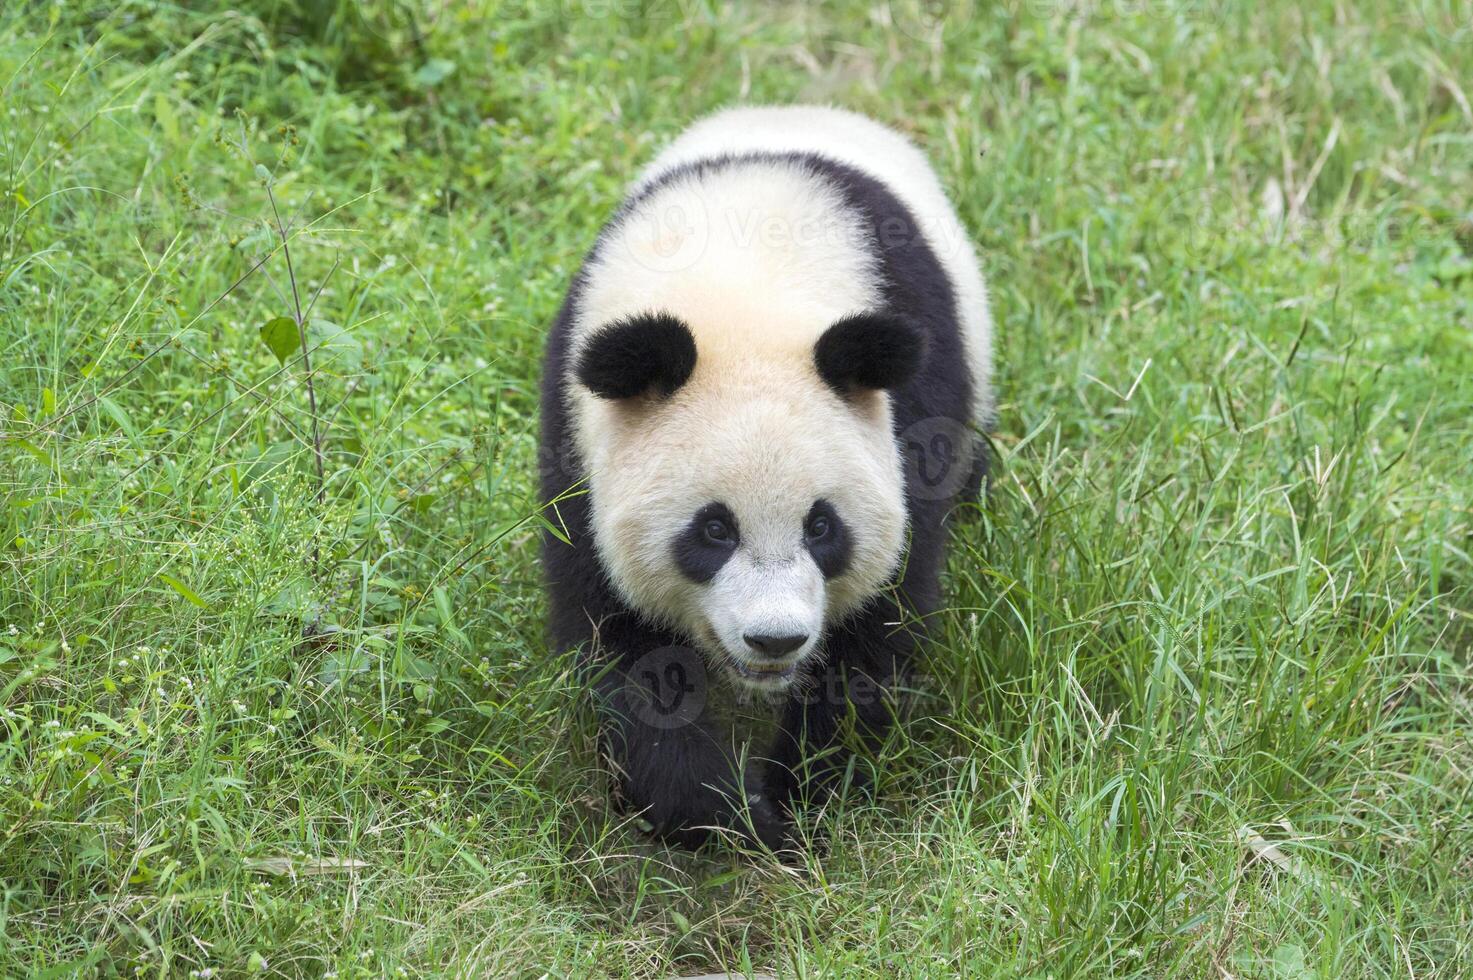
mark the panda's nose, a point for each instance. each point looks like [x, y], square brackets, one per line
[768, 645]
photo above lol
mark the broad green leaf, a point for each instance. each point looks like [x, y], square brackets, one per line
[116, 413]
[1454, 267]
[35, 451]
[275, 457]
[433, 72]
[184, 590]
[408, 667]
[281, 336]
[442, 604]
[447, 615]
[294, 598]
[333, 347]
[260, 239]
[1290, 964]
[164, 113]
[340, 665]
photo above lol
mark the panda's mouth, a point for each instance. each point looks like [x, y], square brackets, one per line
[764, 673]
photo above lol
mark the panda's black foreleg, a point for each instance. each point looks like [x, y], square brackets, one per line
[672, 769]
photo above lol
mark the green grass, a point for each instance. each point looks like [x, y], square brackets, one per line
[1219, 599]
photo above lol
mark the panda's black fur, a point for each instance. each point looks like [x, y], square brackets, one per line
[679, 781]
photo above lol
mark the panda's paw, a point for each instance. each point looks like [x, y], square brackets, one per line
[765, 826]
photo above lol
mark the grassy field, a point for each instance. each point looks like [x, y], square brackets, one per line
[275, 694]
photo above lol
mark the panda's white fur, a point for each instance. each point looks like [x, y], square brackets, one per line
[755, 426]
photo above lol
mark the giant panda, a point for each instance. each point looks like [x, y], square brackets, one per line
[762, 398]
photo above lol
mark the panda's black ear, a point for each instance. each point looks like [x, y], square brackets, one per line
[648, 352]
[869, 351]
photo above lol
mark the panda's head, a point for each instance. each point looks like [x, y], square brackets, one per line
[748, 499]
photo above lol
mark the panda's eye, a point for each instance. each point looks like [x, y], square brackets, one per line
[707, 542]
[827, 538]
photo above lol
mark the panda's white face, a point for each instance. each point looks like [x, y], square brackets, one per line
[750, 517]
[745, 483]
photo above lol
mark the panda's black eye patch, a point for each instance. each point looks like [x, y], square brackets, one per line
[705, 544]
[827, 539]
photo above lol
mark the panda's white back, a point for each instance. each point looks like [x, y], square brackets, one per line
[867, 146]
